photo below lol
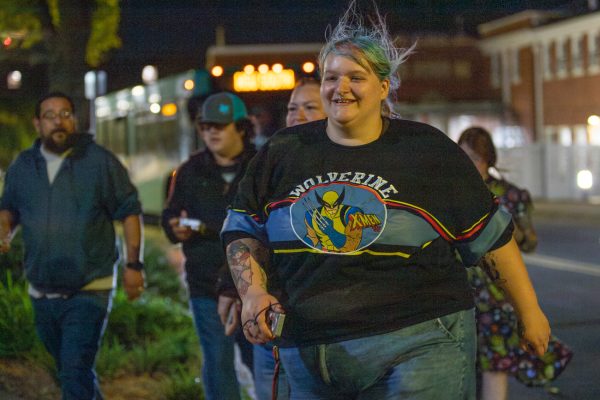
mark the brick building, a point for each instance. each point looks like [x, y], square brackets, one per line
[545, 68]
[548, 71]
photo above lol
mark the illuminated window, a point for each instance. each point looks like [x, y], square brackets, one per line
[580, 135]
[547, 61]
[561, 58]
[577, 51]
[565, 136]
[515, 67]
[594, 52]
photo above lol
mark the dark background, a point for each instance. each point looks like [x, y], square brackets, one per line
[174, 35]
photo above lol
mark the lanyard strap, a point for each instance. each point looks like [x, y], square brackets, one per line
[275, 385]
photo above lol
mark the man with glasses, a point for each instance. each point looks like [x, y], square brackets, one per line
[200, 191]
[65, 192]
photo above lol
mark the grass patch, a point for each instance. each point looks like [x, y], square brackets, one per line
[17, 330]
[183, 385]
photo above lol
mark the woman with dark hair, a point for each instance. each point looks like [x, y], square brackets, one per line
[305, 103]
[497, 326]
[478, 145]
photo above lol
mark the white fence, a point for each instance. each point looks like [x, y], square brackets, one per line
[549, 171]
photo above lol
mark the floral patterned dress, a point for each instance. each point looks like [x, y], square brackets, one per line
[497, 325]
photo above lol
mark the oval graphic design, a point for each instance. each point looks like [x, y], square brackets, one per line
[338, 218]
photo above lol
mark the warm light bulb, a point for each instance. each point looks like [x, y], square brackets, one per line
[593, 120]
[277, 68]
[216, 71]
[308, 67]
[188, 84]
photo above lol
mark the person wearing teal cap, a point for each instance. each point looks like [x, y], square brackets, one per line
[199, 193]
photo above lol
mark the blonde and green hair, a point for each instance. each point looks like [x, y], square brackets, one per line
[370, 46]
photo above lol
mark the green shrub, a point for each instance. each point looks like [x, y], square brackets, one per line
[112, 358]
[17, 331]
[166, 354]
[145, 319]
[161, 278]
[150, 335]
[13, 260]
[183, 385]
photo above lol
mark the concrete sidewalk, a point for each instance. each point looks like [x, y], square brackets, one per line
[567, 210]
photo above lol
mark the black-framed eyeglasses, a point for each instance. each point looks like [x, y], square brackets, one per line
[51, 115]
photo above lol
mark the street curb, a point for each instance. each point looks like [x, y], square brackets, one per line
[567, 211]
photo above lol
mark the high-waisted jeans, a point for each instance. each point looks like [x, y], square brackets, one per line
[431, 360]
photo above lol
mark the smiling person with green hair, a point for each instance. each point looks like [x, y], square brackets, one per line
[386, 311]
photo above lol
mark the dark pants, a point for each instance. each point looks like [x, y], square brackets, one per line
[71, 329]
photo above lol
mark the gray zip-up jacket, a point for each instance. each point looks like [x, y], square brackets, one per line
[68, 225]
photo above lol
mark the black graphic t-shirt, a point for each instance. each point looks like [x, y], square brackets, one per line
[366, 239]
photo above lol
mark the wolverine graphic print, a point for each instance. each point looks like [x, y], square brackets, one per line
[338, 218]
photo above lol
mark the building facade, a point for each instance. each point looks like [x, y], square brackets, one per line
[546, 70]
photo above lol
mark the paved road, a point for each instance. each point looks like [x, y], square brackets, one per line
[566, 274]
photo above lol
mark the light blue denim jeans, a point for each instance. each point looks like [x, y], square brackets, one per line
[431, 360]
[71, 329]
[218, 369]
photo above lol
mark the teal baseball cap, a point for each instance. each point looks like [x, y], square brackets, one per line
[223, 108]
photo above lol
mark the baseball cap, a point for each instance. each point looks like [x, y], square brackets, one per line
[223, 108]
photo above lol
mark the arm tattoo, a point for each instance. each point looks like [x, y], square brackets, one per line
[240, 255]
[489, 266]
[239, 258]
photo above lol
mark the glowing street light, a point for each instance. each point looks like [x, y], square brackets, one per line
[188, 84]
[593, 120]
[155, 108]
[585, 179]
[277, 68]
[216, 71]
[308, 67]
[14, 79]
[149, 74]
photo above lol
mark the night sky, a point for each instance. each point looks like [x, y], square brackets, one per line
[174, 35]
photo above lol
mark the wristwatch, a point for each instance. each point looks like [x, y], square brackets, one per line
[135, 265]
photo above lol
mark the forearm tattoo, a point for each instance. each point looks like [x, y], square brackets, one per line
[239, 257]
[489, 265]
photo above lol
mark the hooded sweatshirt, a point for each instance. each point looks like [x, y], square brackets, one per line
[68, 224]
